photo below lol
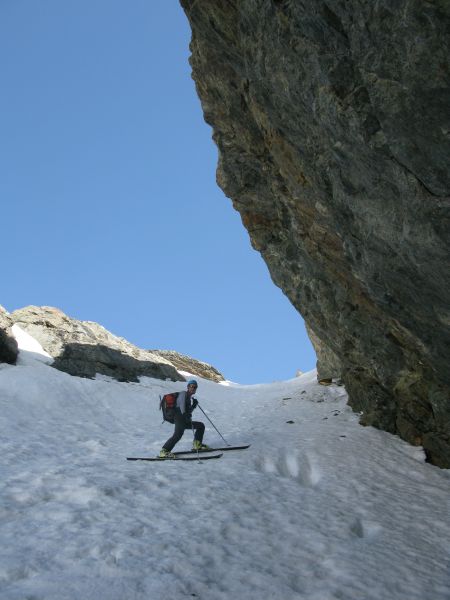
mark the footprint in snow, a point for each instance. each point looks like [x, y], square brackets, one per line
[291, 465]
[362, 528]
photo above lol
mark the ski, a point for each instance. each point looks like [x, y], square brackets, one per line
[192, 454]
[224, 449]
[158, 458]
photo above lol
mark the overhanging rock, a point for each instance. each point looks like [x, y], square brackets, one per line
[332, 124]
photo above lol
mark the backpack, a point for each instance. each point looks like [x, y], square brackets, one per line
[168, 404]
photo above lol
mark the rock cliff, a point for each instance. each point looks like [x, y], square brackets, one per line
[333, 127]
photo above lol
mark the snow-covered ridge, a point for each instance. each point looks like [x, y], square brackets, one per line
[85, 349]
[317, 508]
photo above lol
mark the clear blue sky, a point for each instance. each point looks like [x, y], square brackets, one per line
[110, 209]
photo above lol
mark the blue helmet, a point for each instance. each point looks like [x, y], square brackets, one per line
[192, 382]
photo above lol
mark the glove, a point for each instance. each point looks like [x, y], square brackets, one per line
[194, 403]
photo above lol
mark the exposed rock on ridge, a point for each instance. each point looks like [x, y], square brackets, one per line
[8, 344]
[84, 348]
[182, 362]
[333, 129]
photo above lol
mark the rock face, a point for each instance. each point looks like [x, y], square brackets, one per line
[333, 127]
[84, 348]
[182, 362]
[328, 364]
[8, 344]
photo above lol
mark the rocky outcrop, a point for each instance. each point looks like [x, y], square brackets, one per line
[8, 344]
[333, 129]
[182, 362]
[328, 364]
[84, 348]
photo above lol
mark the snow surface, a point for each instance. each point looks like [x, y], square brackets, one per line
[318, 508]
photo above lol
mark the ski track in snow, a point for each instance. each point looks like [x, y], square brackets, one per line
[318, 508]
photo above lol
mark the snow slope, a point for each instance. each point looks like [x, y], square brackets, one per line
[317, 509]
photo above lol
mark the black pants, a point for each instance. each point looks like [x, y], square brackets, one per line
[181, 424]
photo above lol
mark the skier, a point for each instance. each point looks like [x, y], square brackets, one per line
[183, 420]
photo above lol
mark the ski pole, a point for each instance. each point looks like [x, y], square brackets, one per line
[213, 424]
[193, 432]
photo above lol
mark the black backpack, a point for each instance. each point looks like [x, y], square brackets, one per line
[168, 404]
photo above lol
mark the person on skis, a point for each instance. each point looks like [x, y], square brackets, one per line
[186, 403]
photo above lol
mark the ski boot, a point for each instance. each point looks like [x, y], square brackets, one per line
[199, 446]
[166, 454]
